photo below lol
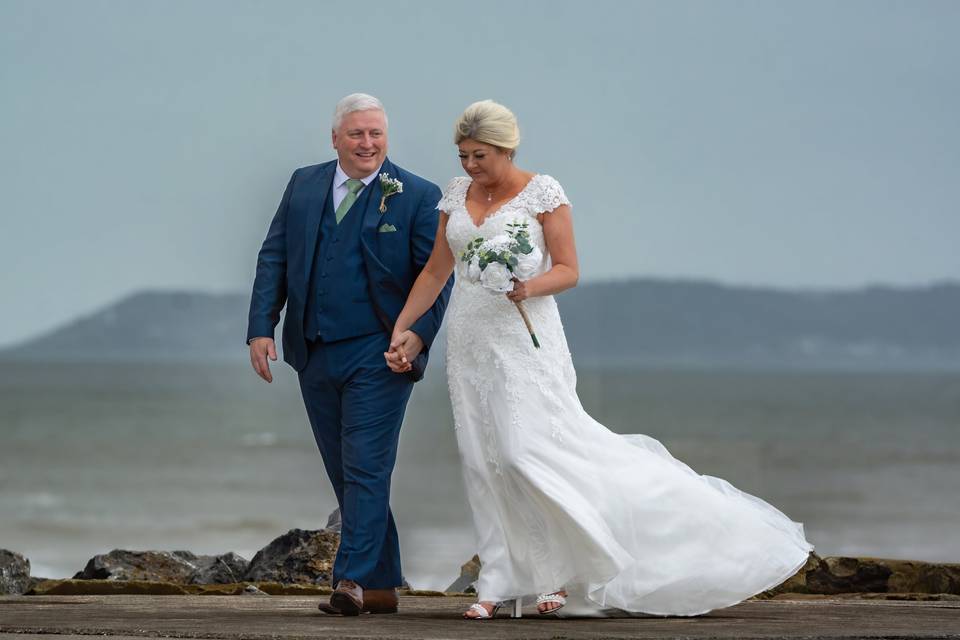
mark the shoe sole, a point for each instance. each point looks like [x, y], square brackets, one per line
[344, 604]
[333, 611]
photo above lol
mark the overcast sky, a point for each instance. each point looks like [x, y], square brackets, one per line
[801, 144]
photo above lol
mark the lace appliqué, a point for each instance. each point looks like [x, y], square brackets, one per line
[543, 194]
[454, 194]
[488, 347]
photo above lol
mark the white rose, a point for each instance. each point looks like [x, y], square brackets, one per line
[473, 269]
[527, 264]
[497, 277]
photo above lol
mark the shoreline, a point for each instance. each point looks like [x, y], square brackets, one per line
[300, 562]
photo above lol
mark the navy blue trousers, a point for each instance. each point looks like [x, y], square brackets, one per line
[356, 405]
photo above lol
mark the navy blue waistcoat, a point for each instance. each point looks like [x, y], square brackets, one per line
[338, 303]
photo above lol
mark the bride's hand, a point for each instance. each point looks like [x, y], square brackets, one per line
[395, 357]
[520, 291]
[405, 346]
[395, 361]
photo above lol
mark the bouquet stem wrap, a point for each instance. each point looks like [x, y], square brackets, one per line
[526, 321]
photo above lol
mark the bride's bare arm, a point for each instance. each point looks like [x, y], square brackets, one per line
[558, 238]
[430, 282]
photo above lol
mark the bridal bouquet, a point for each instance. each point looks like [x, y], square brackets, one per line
[494, 263]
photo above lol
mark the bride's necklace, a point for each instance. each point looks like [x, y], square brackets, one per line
[490, 193]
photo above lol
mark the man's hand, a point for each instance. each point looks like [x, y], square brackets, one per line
[404, 348]
[260, 350]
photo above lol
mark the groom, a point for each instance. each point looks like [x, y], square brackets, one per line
[343, 251]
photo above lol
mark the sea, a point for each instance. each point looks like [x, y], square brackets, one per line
[210, 459]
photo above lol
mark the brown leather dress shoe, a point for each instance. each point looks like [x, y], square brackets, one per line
[374, 601]
[347, 598]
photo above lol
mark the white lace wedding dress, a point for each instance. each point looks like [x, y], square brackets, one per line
[560, 501]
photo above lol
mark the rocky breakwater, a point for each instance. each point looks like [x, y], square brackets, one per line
[297, 562]
[300, 562]
[296, 557]
[831, 576]
[841, 574]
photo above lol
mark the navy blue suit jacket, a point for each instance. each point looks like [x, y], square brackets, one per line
[393, 260]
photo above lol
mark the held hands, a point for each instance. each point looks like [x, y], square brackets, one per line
[405, 346]
[260, 350]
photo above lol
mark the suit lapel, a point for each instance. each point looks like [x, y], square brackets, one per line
[319, 193]
[372, 218]
[371, 212]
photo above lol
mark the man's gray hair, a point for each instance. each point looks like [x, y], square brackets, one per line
[356, 102]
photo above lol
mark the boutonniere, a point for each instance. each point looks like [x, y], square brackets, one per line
[389, 186]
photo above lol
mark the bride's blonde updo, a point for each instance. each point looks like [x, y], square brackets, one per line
[490, 123]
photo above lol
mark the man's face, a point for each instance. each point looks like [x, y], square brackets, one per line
[361, 142]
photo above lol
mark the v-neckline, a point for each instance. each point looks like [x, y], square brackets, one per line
[466, 209]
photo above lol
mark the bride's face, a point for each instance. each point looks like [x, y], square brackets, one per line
[485, 163]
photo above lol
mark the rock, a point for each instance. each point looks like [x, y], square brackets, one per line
[301, 557]
[253, 590]
[177, 567]
[226, 568]
[298, 556]
[846, 575]
[84, 587]
[469, 574]
[334, 521]
[838, 575]
[151, 566]
[14, 573]
[923, 577]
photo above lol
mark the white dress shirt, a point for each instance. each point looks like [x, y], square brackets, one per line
[340, 184]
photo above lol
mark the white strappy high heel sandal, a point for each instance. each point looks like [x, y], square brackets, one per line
[556, 598]
[482, 613]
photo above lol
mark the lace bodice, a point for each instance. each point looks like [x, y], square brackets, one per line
[477, 313]
[542, 194]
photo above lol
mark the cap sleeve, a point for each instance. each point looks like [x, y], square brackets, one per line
[549, 195]
[453, 194]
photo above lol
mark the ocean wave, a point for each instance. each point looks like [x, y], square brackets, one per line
[262, 439]
[161, 525]
[41, 499]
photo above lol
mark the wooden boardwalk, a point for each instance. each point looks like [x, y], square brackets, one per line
[282, 617]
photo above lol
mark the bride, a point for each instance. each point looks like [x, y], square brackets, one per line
[562, 506]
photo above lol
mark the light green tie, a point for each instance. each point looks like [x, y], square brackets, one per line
[353, 188]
